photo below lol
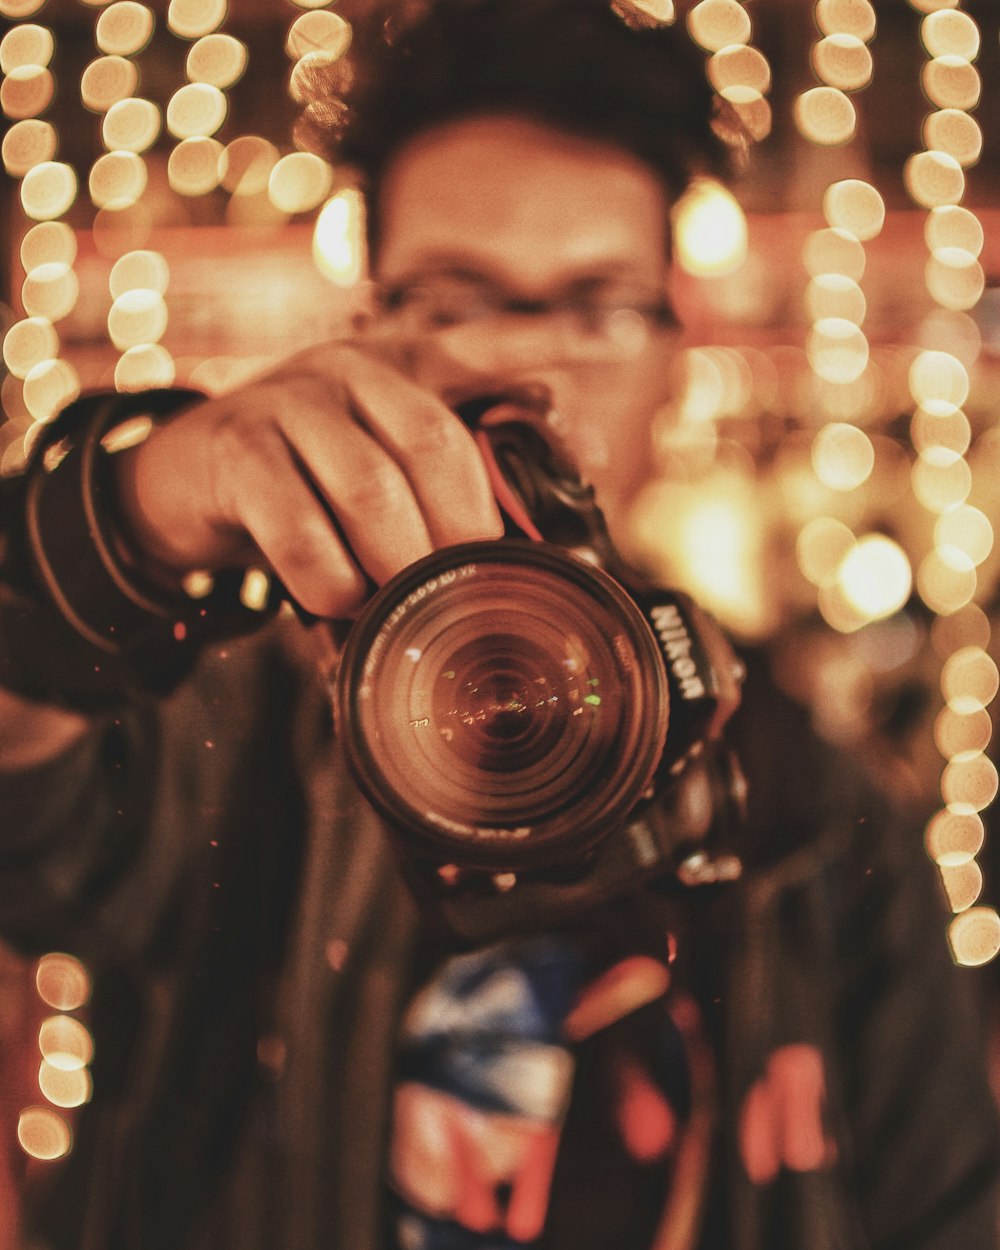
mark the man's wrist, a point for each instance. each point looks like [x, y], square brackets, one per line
[84, 621]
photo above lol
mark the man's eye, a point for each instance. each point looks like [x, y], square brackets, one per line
[442, 315]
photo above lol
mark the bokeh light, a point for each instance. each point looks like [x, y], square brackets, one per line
[20, 8]
[131, 125]
[974, 936]
[842, 61]
[962, 736]
[939, 382]
[834, 250]
[193, 19]
[49, 241]
[954, 227]
[826, 116]
[218, 60]
[117, 180]
[821, 547]
[934, 179]
[953, 431]
[968, 627]
[299, 182]
[65, 1042]
[145, 366]
[28, 343]
[837, 350]
[124, 28]
[715, 24]
[962, 883]
[946, 580]
[969, 785]
[849, 17]
[842, 456]
[48, 387]
[195, 110]
[319, 31]
[739, 66]
[43, 1134]
[954, 838]
[954, 279]
[950, 32]
[854, 206]
[48, 190]
[139, 270]
[968, 529]
[25, 45]
[710, 230]
[834, 295]
[950, 82]
[955, 133]
[106, 81]
[64, 1088]
[137, 317]
[50, 291]
[875, 576]
[194, 167]
[753, 110]
[62, 981]
[339, 239]
[969, 679]
[246, 163]
[26, 144]
[26, 91]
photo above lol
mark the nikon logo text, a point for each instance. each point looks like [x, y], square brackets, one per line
[676, 643]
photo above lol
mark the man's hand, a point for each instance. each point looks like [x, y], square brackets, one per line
[334, 471]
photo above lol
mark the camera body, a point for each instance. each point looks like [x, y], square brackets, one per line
[539, 728]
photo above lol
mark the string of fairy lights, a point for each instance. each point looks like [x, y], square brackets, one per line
[857, 577]
[942, 477]
[866, 578]
[248, 168]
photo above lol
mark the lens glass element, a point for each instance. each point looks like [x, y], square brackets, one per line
[503, 701]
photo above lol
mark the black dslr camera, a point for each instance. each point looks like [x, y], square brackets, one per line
[538, 727]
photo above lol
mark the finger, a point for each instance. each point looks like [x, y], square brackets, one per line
[529, 1199]
[476, 1206]
[623, 988]
[796, 1074]
[646, 1120]
[422, 1153]
[368, 493]
[760, 1134]
[433, 448]
[268, 495]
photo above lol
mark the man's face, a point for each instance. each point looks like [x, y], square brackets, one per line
[514, 254]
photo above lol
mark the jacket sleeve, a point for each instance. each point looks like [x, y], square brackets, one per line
[841, 945]
[912, 1033]
[74, 836]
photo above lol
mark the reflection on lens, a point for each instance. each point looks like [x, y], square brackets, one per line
[503, 697]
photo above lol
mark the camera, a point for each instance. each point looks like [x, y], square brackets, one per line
[538, 727]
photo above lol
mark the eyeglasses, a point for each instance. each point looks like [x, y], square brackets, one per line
[602, 325]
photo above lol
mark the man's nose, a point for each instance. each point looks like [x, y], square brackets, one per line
[517, 342]
[459, 375]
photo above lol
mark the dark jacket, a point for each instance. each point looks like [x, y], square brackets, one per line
[253, 946]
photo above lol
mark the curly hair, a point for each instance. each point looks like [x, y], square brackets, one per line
[575, 65]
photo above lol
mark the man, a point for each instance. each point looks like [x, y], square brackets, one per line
[286, 1054]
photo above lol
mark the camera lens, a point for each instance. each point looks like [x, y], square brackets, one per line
[503, 703]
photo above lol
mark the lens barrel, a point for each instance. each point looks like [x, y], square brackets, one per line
[503, 705]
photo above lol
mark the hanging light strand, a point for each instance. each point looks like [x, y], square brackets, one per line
[866, 579]
[740, 73]
[942, 481]
[40, 380]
